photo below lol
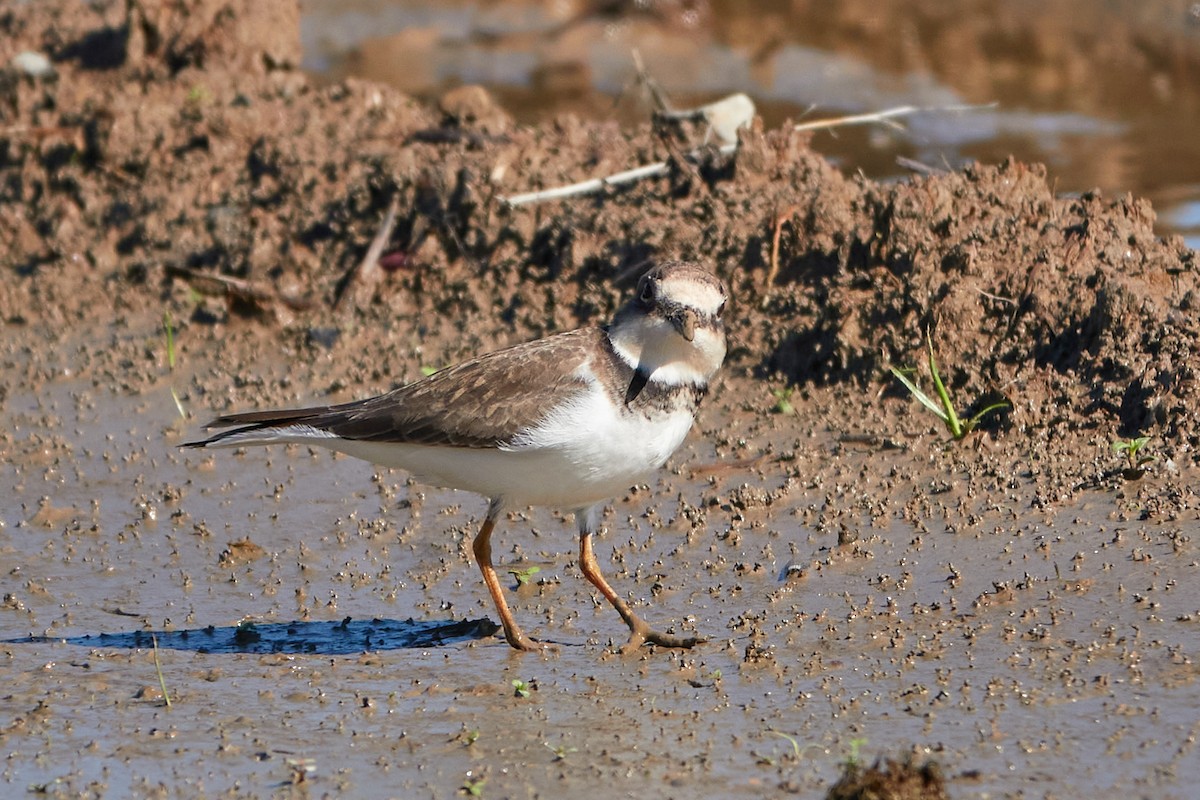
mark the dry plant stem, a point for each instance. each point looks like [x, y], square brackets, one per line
[595, 184]
[787, 214]
[657, 96]
[885, 117]
[919, 167]
[367, 271]
[658, 168]
[162, 682]
[244, 289]
[737, 465]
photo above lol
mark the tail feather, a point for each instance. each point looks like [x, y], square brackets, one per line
[291, 424]
[276, 417]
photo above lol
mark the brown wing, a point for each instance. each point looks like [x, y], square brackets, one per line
[479, 403]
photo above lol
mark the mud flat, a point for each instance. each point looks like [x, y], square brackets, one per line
[1013, 607]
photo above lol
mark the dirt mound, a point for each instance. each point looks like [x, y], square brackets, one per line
[1024, 292]
[173, 150]
[889, 779]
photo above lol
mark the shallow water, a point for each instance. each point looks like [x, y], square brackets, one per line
[1103, 96]
[1035, 653]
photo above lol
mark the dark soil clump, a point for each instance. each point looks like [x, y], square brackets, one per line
[888, 779]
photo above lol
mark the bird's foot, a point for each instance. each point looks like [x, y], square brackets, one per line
[643, 634]
[519, 641]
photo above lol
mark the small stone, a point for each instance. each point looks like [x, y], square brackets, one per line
[35, 65]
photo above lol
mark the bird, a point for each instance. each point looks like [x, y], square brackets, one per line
[566, 421]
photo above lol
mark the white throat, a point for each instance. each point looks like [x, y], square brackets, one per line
[652, 344]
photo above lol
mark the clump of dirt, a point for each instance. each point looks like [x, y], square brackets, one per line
[888, 779]
[1033, 292]
[175, 161]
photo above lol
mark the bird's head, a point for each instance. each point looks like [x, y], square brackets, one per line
[671, 329]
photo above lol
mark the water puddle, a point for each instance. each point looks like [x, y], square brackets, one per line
[293, 596]
[542, 60]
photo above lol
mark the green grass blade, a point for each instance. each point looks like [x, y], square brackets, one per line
[162, 682]
[951, 418]
[791, 740]
[169, 327]
[178, 403]
[993, 407]
[925, 399]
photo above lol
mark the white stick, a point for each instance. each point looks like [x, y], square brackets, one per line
[881, 116]
[596, 184]
[650, 170]
[586, 187]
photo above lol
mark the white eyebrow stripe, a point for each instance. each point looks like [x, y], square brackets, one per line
[704, 297]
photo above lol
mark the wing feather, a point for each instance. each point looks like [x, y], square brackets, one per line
[483, 402]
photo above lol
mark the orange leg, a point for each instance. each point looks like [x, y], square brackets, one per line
[639, 631]
[482, 545]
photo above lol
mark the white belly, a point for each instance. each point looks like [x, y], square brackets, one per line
[584, 453]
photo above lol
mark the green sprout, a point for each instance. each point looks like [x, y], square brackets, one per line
[943, 407]
[197, 95]
[791, 740]
[854, 758]
[560, 751]
[169, 327]
[523, 576]
[1134, 457]
[797, 750]
[783, 401]
[520, 688]
[162, 682]
[473, 787]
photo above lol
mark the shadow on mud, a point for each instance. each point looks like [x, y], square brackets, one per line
[347, 637]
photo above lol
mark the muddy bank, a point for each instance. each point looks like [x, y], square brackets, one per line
[1102, 93]
[285, 185]
[859, 577]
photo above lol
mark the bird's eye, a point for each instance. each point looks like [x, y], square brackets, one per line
[647, 294]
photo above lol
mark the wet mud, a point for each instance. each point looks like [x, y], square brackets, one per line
[1017, 607]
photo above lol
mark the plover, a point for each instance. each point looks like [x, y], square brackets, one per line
[566, 421]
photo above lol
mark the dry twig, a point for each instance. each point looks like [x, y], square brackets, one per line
[885, 117]
[242, 289]
[780, 218]
[597, 184]
[366, 272]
